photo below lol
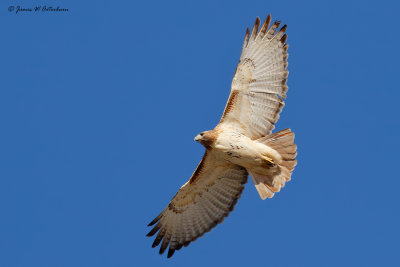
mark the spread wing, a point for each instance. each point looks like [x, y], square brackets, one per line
[259, 84]
[203, 202]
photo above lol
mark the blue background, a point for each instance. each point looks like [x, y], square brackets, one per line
[99, 107]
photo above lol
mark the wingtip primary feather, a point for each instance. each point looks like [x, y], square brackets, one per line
[163, 247]
[246, 37]
[270, 33]
[159, 237]
[155, 220]
[170, 253]
[264, 27]
[284, 38]
[255, 29]
[154, 230]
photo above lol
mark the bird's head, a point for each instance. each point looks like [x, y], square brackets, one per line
[206, 138]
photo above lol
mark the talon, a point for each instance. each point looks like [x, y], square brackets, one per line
[270, 162]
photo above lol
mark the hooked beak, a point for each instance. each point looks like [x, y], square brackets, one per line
[197, 138]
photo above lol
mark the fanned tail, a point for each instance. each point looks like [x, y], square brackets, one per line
[283, 143]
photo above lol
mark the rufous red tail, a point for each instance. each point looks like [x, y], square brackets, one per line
[283, 143]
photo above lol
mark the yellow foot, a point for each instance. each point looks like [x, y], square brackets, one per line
[270, 162]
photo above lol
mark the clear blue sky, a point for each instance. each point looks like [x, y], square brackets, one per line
[99, 107]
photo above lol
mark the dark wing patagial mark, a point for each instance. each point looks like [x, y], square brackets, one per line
[197, 172]
[233, 98]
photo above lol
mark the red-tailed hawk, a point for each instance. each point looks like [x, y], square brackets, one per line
[239, 145]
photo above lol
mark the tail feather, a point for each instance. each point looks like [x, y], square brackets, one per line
[283, 142]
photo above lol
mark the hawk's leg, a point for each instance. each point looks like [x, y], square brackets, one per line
[269, 162]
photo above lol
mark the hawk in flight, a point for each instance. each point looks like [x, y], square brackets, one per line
[240, 145]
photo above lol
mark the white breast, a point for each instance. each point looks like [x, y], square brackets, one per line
[239, 149]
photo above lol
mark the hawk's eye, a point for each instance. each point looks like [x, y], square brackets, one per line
[201, 134]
